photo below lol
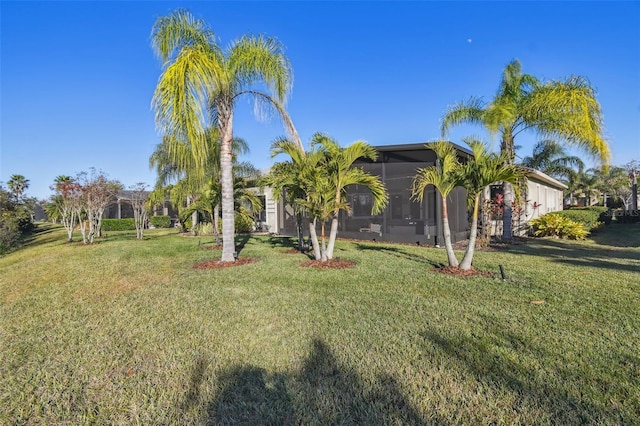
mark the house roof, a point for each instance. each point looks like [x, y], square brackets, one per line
[416, 145]
[544, 178]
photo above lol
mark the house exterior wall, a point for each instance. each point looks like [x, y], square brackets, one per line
[542, 194]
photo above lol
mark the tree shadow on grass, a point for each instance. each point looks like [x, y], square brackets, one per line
[619, 235]
[490, 360]
[322, 392]
[565, 252]
[241, 241]
[44, 233]
[283, 242]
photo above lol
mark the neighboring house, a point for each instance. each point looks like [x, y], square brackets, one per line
[406, 220]
[121, 208]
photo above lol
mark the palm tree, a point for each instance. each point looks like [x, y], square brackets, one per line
[316, 181]
[564, 110]
[200, 85]
[442, 177]
[339, 173]
[287, 177]
[589, 184]
[17, 185]
[174, 161]
[611, 182]
[475, 175]
[550, 157]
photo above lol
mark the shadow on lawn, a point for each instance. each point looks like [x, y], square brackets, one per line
[322, 392]
[44, 233]
[490, 359]
[283, 242]
[571, 253]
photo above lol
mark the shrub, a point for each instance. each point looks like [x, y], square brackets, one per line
[203, 228]
[558, 226]
[9, 233]
[160, 221]
[626, 216]
[243, 221]
[118, 224]
[590, 217]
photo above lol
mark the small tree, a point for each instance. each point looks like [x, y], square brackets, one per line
[479, 172]
[285, 177]
[97, 193]
[140, 207]
[335, 173]
[443, 177]
[68, 202]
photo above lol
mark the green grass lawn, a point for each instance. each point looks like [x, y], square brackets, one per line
[128, 332]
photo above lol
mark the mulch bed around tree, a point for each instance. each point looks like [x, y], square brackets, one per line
[329, 264]
[216, 264]
[450, 270]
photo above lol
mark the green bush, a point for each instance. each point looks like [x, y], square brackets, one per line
[9, 233]
[626, 216]
[203, 228]
[244, 222]
[590, 217]
[118, 224]
[160, 221]
[558, 226]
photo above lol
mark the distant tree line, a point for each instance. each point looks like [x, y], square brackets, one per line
[16, 212]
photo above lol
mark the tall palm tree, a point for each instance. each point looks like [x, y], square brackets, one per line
[549, 157]
[442, 176]
[200, 85]
[340, 173]
[174, 161]
[17, 185]
[564, 110]
[475, 175]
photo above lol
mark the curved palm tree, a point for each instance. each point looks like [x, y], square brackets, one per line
[475, 175]
[200, 85]
[564, 110]
[442, 176]
[550, 157]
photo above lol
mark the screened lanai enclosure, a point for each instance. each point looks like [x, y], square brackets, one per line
[404, 219]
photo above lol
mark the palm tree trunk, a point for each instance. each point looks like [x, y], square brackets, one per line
[332, 237]
[314, 239]
[467, 260]
[507, 147]
[451, 256]
[300, 231]
[225, 118]
[507, 231]
[216, 223]
[323, 251]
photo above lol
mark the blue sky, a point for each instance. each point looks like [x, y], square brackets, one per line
[77, 77]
